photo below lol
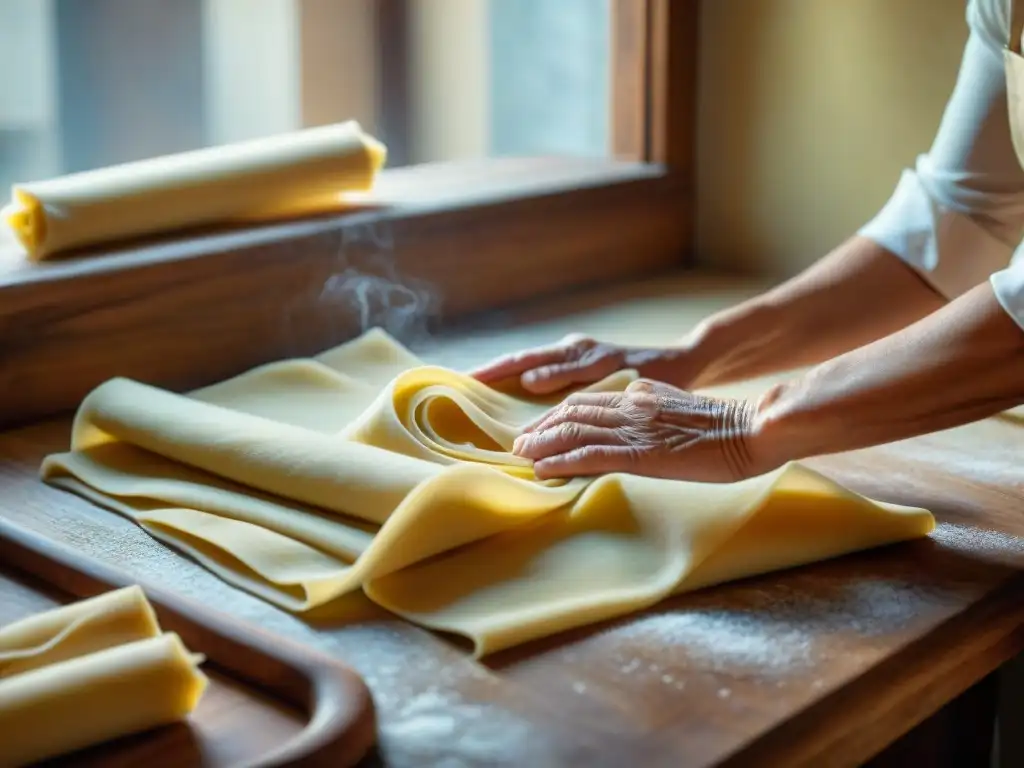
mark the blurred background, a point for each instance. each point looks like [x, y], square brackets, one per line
[104, 81]
[808, 110]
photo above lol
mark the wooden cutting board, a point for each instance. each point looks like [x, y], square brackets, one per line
[269, 703]
[232, 723]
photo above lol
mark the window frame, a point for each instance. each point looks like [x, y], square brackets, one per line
[185, 312]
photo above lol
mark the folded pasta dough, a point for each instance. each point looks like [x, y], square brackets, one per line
[93, 698]
[287, 174]
[366, 469]
[76, 629]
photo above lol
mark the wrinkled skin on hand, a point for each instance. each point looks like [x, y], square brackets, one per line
[651, 429]
[577, 360]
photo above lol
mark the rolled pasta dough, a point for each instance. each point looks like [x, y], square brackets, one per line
[366, 469]
[284, 175]
[76, 629]
[89, 672]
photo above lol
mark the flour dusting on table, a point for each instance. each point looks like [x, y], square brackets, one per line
[995, 545]
[715, 639]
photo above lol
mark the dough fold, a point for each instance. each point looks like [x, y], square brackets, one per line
[365, 468]
[88, 672]
[278, 176]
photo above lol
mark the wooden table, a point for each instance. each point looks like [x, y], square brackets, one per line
[819, 666]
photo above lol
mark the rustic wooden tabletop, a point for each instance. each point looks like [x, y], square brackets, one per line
[821, 665]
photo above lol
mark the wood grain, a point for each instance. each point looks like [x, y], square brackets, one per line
[339, 728]
[818, 666]
[960, 734]
[655, 56]
[445, 240]
[629, 71]
[674, 53]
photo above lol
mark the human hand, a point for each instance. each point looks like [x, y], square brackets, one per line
[650, 429]
[577, 360]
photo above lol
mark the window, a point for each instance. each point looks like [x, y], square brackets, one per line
[115, 80]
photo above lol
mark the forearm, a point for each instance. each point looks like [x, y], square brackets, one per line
[960, 364]
[856, 294]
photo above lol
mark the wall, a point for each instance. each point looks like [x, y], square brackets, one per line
[809, 110]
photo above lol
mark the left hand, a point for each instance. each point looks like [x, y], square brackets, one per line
[650, 429]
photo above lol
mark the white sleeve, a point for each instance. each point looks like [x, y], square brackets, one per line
[958, 216]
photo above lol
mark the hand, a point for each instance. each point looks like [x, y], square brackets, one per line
[578, 360]
[650, 429]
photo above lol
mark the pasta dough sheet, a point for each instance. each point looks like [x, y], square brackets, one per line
[365, 468]
[76, 629]
[285, 175]
[89, 672]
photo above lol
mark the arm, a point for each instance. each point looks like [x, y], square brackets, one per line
[907, 362]
[957, 365]
[951, 222]
[858, 293]
[963, 363]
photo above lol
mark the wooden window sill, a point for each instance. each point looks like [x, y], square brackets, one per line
[470, 237]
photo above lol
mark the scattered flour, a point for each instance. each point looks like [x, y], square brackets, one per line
[978, 541]
[771, 629]
[437, 729]
[715, 639]
[632, 666]
[870, 607]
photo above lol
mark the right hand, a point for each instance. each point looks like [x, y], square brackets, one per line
[576, 360]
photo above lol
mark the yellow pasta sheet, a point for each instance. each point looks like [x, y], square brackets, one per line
[365, 468]
[283, 175]
[89, 672]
